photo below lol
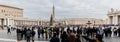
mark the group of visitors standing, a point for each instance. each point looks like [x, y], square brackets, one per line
[26, 34]
[67, 34]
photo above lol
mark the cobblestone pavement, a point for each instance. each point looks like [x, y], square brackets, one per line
[4, 37]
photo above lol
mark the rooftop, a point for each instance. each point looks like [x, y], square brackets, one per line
[11, 6]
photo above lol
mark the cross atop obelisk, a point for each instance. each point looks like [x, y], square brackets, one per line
[52, 18]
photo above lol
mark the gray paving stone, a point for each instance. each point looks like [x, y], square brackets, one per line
[12, 36]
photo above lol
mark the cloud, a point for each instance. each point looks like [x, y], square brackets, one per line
[64, 8]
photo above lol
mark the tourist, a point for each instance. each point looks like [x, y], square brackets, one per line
[106, 32]
[8, 30]
[50, 32]
[46, 32]
[32, 34]
[79, 31]
[28, 35]
[64, 37]
[68, 30]
[39, 31]
[24, 32]
[74, 31]
[57, 31]
[96, 38]
[109, 32]
[54, 38]
[18, 31]
[101, 31]
[115, 30]
[89, 31]
[42, 32]
[119, 32]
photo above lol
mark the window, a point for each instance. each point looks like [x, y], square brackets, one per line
[2, 11]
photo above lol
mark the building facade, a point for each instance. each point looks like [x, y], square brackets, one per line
[114, 17]
[9, 11]
[83, 21]
[13, 16]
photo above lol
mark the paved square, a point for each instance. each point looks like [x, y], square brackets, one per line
[4, 37]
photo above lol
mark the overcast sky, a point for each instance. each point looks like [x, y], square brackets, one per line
[65, 8]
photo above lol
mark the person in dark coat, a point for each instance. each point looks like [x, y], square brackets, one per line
[106, 32]
[68, 30]
[96, 38]
[8, 29]
[28, 35]
[109, 32]
[115, 31]
[118, 32]
[74, 30]
[79, 31]
[24, 33]
[89, 31]
[39, 31]
[54, 38]
[64, 37]
[33, 34]
[57, 31]
[18, 31]
[42, 32]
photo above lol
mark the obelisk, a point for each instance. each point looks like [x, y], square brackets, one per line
[52, 18]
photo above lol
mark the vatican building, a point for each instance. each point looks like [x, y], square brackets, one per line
[114, 16]
[13, 16]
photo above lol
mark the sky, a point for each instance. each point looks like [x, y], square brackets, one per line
[65, 8]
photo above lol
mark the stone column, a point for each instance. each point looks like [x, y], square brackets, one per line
[12, 23]
[5, 23]
[2, 23]
[8, 22]
[38, 22]
[115, 20]
[109, 20]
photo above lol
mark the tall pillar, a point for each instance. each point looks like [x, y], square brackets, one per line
[2, 23]
[12, 22]
[5, 21]
[110, 20]
[115, 20]
[37, 22]
[8, 21]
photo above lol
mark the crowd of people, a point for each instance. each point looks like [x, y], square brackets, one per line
[66, 34]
